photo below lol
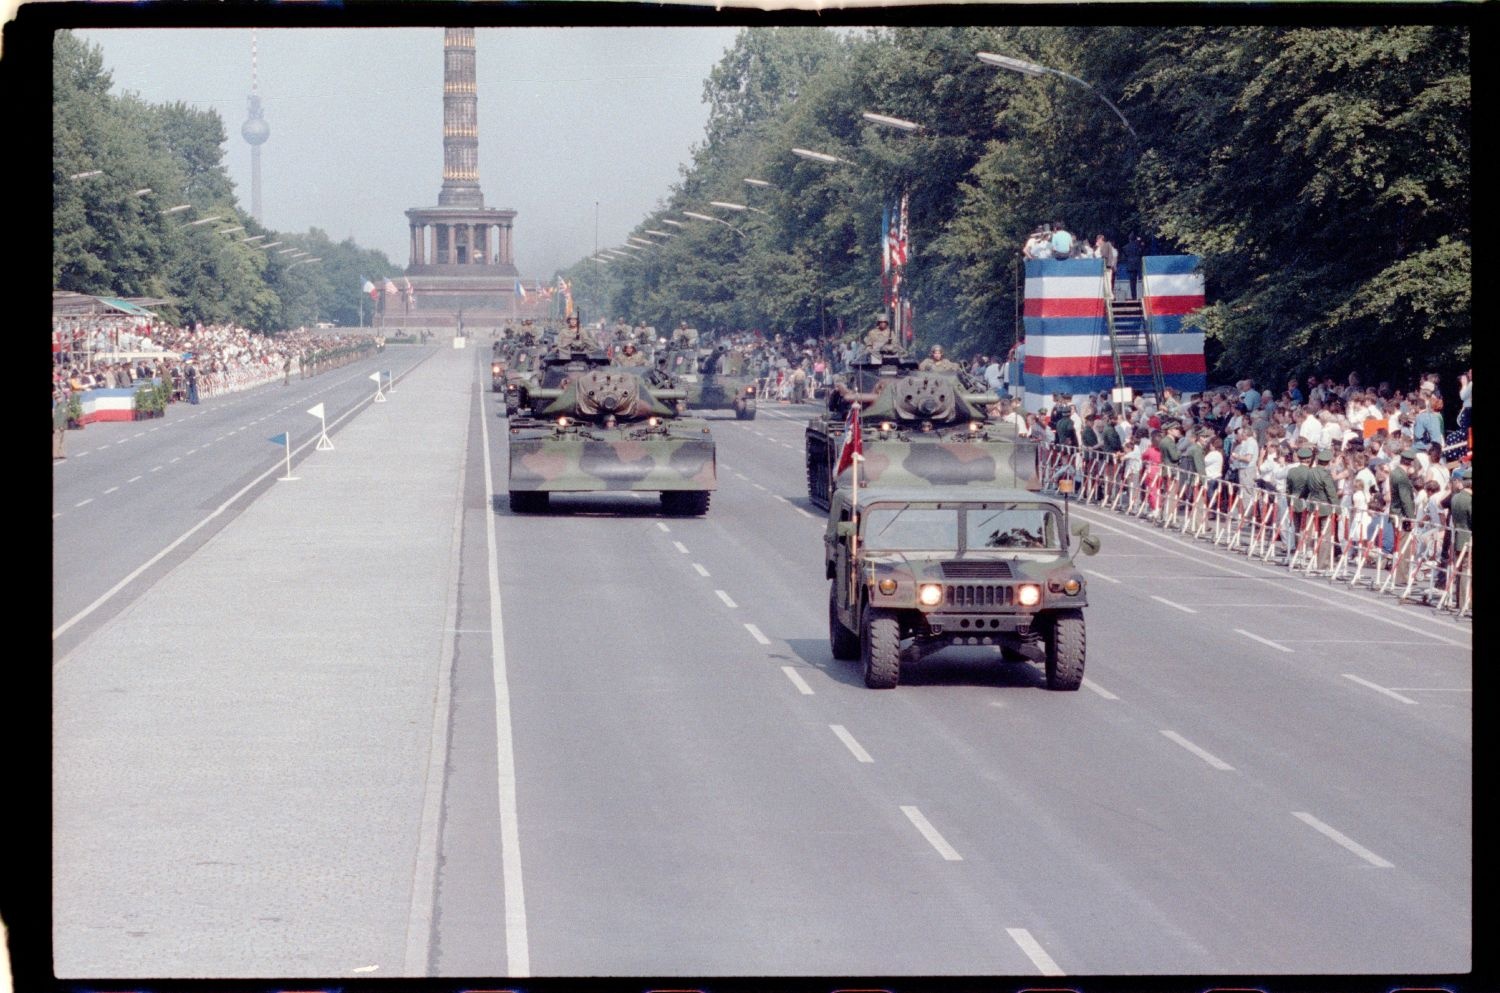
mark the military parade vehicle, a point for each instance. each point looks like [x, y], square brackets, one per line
[913, 570]
[917, 428]
[585, 426]
[700, 371]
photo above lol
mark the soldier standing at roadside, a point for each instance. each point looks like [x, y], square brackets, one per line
[59, 419]
[1323, 493]
[1403, 507]
[1297, 484]
[1170, 454]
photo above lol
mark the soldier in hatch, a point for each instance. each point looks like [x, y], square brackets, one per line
[630, 356]
[574, 338]
[936, 363]
[880, 336]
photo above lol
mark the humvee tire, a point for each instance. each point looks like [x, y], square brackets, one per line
[881, 647]
[843, 642]
[527, 502]
[685, 503]
[1065, 651]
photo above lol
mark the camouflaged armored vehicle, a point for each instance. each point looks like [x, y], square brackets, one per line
[699, 370]
[918, 429]
[915, 570]
[610, 429]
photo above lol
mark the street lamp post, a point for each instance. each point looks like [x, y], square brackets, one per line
[1033, 69]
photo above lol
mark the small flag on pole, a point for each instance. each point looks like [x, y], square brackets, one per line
[316, 411]
[853, 446]
[324, 445]
[411, 294]
[280, 439]
[379, 395]
[369, 288]
[390, 287]
[284, 439]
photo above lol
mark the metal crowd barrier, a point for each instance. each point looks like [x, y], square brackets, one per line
[1376, 550]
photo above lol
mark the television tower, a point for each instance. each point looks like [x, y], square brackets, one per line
[255, 130]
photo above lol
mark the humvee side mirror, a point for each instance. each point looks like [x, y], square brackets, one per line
[1088, 544]
[1080, 528]
[845, 529]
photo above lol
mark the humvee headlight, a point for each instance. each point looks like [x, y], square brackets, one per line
[652, 422]
[1029, 595]
[886, 586]
[1071, 587]
[563, 422]
[974, 427]
[930, 594]
[887, 426]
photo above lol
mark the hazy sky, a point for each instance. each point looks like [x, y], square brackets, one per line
[567, 116]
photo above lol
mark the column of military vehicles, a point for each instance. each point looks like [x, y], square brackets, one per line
[938, 534]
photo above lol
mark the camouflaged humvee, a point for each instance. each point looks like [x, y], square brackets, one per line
[916, 570]
[918, 428]
[610, 429]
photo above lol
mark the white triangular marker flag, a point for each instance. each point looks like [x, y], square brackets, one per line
[316, 411]
[375, 376]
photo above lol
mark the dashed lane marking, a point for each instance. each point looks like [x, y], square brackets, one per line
[1208, 757]
[725, 597]
[855, 748]
[1263, 641]
[80, 503]
[680, 547]
[1377, 688]
[663, 527]
[929, 832]
[110, 490]
[755, 633]
[155, 468]
[700, 570]
[1089, 684]
[797, 680]
[1034, 951]
[132, 479]
[1174, 606]
[1342, 839]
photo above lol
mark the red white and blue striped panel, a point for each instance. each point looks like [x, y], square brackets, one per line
[107, 405]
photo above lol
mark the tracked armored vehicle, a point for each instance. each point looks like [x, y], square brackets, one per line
[917, 429]
[915, 570]
[708, 387]
[593, 428]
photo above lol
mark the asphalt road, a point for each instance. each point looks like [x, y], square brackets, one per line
[425, 736]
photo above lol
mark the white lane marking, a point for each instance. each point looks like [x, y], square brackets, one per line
[785, 445]
[1342, 839]
[57, 515]
[758, 486]
[108, 594]
[517, 951]
[102, 448]
[1377, 688]
[364, 968]
[149, 430]
[1034, 951]
[191, 451]
[122, 441]
[1208, 757]
[177, 459]
[741, 475]
[854, 747]
[155, 468]
[1100, 575]
[1175, 606]
[680, 547]
[1371, 611]
[1348, 641]
[797, 680]
[931, 834]
[219, 438]
[110, 490]
[132, 479]
[755, 633]
[663, 527]
[1434, 689]
[80, 503]
[137, 434]
[1089, 684]
[1263, 641]
[700, 570]
[80, 455]
[725, 597]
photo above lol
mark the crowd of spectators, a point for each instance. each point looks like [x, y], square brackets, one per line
[1395, 458]
[194, 361]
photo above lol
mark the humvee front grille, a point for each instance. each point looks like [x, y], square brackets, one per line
[980, 595]
[976, 569]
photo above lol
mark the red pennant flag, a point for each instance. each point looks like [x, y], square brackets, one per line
[853, 441]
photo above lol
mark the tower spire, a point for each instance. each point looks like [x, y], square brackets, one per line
[255, 130]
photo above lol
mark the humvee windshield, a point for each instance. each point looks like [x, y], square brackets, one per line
[915, 527]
